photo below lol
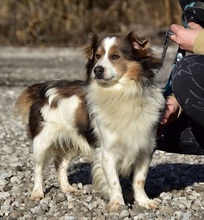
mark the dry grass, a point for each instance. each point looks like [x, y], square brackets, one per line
[67, 22]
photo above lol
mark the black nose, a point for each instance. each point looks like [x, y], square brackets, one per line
[99, 71]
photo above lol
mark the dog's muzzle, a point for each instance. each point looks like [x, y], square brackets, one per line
[99, 72]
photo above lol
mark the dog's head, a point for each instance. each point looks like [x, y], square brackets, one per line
[118, 57]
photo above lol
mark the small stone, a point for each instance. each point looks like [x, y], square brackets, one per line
[90, 206]
[19, 168]
[67, 217]
[166, 211]
[166, 195]
[15, 179]
[88, 199]
[124, 214]
[94, 204]
[7, 188]
[16, 214]
[178, 214]
[1, 213]
[4, 195]
[80, 186]
[114, 215]
[7, 202]
[70, 206]
[60, 197]
[36, 210]
[5, 207]
[182, 206]
[45, 200]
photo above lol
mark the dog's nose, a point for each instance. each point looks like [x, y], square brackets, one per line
[99, 71]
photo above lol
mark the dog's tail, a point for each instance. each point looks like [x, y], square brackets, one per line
[26, 100]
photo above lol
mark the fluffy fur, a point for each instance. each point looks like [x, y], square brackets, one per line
[112, 117]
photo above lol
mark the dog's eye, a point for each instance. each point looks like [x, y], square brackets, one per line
[98, 56]
[115, 57]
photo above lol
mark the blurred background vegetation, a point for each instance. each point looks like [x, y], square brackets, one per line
[67, 22]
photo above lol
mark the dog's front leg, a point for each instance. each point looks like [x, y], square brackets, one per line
[109, 164]
[140, 174]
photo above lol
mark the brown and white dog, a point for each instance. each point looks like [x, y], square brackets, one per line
[112, 117]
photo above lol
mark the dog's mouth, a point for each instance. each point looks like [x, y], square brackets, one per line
[100, 75]
[105, 80]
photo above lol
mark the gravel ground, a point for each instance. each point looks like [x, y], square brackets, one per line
[175, 180]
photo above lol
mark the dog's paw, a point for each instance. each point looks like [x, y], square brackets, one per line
[36, 196]
[149, 204]
[113, 206]
[68, 189]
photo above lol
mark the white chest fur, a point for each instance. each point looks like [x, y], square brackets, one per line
[126, 118]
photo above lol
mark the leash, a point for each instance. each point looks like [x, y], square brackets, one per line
[167, 90]
[165, 45]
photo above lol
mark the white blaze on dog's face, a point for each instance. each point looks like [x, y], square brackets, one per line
[106, 57]
[111, 64]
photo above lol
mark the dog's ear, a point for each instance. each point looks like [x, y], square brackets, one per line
[88, 50]
[142, 51]
[138, 43]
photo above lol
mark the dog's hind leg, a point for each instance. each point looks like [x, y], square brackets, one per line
[140, 174]
[41, 144]
[62, 163]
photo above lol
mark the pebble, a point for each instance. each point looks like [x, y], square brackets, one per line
[4, 195]
[16, 214]
[124, 213]
[176, 180]
[166, 210]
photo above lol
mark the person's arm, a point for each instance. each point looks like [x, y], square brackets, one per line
[189, 39]
[198, 47]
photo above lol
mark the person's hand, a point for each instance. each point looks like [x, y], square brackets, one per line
[171, 110]
[185, 37]
[170, 113]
